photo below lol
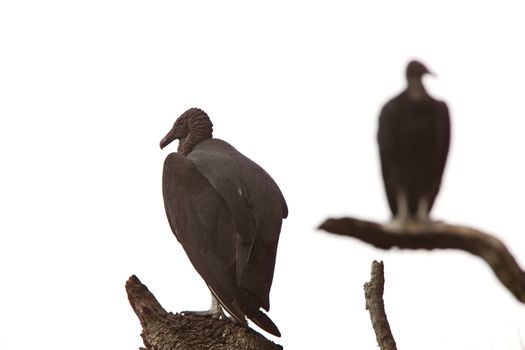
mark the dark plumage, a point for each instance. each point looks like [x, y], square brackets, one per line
[226, 211]
[414, 137]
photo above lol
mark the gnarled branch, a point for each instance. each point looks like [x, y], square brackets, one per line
[165, 330]
[376, 307]
[437, 235]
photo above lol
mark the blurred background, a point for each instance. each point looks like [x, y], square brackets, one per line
[88, 89]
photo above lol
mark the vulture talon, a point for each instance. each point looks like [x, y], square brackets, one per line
[396, 225]
[217, 315]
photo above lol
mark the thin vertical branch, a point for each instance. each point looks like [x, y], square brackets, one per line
[376, 307]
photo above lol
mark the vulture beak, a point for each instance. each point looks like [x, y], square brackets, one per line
[430, 73]
[173, 134]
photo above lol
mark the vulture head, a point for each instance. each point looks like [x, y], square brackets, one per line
[192, 127]
[416, 70]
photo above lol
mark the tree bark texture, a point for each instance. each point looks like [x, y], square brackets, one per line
[376, 307]
[437, 235]
[162, 330]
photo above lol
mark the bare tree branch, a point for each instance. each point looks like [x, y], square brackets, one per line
[437, 236]
[164, 330]
[376, 307]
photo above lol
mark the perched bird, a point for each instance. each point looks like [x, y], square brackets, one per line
[414, 138]
[226, 212]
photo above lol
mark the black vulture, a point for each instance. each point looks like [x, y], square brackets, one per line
[226, 212]
[414, 138]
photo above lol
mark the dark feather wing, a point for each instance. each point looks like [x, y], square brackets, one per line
[202, 222]
[442, 146]
[386, 137]
[257, 207]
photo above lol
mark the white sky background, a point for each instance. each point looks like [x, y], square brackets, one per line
[88, 89]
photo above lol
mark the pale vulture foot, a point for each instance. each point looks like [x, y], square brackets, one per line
[397, 224]
[215, 310]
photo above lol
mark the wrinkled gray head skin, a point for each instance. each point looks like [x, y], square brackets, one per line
[192, 127]
[416, 69]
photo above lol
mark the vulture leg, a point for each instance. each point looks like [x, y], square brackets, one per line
[423, 210]
[402, 215]
[215, 310]
[401, 218]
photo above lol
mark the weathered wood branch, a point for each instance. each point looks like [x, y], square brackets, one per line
[437, 235]
[162, 330]
[376, 307]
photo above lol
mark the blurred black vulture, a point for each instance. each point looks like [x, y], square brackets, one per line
[226, 211]
[414, 138]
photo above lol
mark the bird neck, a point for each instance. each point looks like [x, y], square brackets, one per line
[415, 89]
[187, 143]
